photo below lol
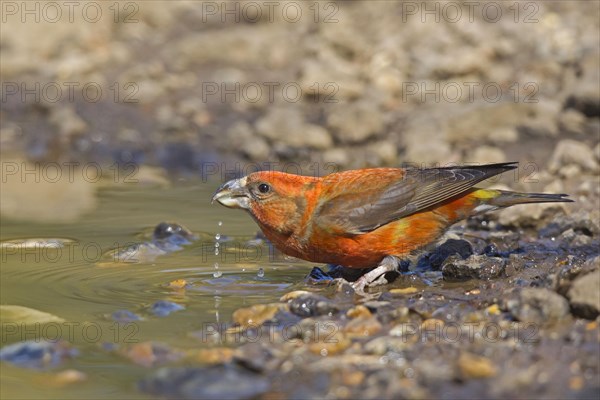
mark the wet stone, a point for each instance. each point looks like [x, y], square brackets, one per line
[573, 238]
[162, 308]
[169, 236]
[329, 341]
[390, 383]
[478, 244]
[64, 378]
[317, 275]
[214, 382]
[363, 326]
[177, 284]
[383, 310]
[124, 316]
[166, 230]
[349, 274]
[150, 354]
[504, 242]
[573, 268]
[491, 250]
[432, 371]
[136, 253]
[293, 295]
[452, 312]
[36, 243]
[412, 279]
[359, 311]
[436, 258]
[472, 366]
[581, 222]
[387, 314]
[475, 267]
[37, 354]
[344, 291]
[386, 344]
[310, 305]
[423, 307]
[26, 315]
[283, 319]
[514, 264]
[255, 357]
[537, 305]
[294, 384]
[215, 355]
[256, 315]
[581, 240]
[551, 230]
[404, 291]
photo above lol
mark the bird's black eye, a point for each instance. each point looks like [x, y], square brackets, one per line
[264, 188]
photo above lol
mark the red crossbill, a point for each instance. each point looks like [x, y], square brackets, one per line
[368, 217]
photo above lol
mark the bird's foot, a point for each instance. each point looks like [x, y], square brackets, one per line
[376, 276]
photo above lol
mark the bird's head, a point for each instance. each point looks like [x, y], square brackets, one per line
[276, 200]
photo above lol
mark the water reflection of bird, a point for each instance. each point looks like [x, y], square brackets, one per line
[369, 217]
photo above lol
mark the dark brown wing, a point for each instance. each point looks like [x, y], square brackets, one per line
[357, 209]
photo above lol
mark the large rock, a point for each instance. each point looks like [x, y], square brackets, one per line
[572, 152]
[241, 136]
[355, 122]
[224, 382]
[478, 122]
[45, 192]
[474, 267]
[239, 44]
[417, 137]
[584, 295]
[330, 80]
[537, 305]
[586, 93]
[287, 125]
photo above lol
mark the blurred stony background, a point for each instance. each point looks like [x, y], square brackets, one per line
[522, 85]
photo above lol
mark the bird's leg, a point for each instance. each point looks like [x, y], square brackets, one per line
[376, 276]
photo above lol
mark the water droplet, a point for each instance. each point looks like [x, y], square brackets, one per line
[217, 274]
[324, 352]
[260, 273]
[220, 223]
[216, 252]
[243, 269]
[217, 236]
[216, 265]
[217, 245]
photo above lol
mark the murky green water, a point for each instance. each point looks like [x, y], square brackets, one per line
[75, 284]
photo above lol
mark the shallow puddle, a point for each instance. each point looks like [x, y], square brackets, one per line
[74, 280]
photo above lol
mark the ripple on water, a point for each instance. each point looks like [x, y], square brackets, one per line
[129, 285]
[237, 284]
[78, 280]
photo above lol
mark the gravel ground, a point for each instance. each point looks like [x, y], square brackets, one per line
[497, 311]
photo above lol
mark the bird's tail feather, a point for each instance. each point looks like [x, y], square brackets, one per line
[507, 198]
